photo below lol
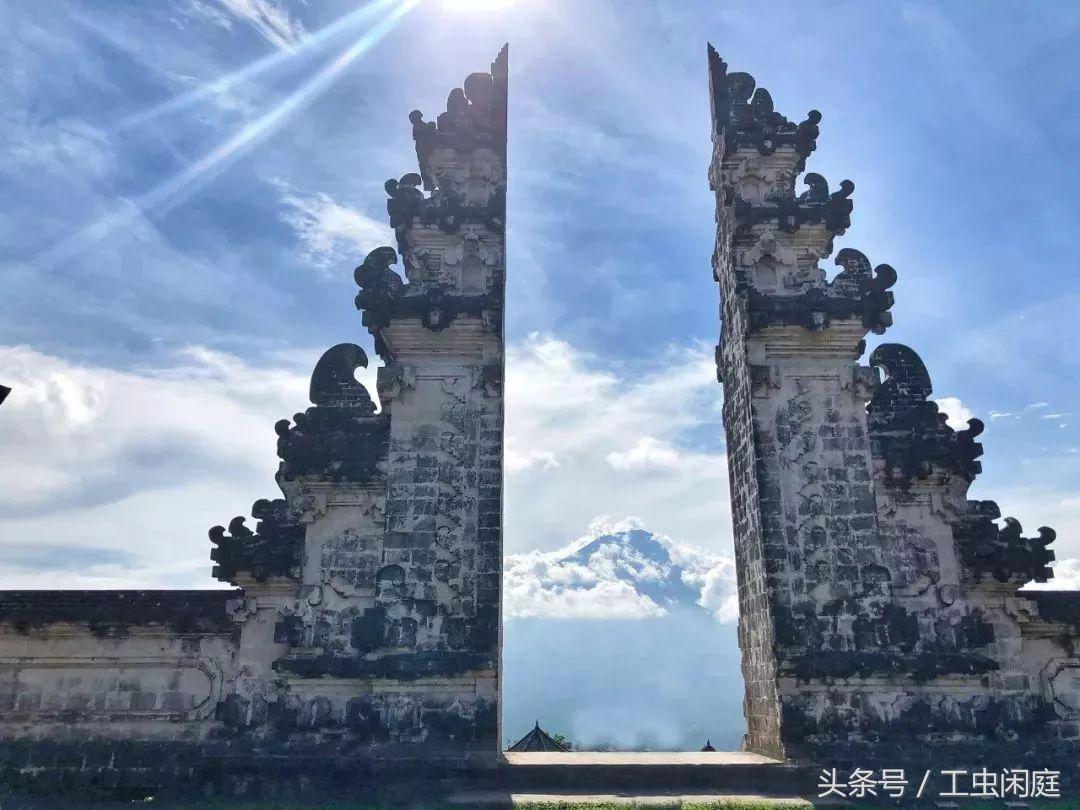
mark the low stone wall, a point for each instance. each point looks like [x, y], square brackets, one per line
[94, 683]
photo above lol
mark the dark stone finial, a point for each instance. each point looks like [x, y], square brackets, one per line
[334, 383]
[406, 199]
[340, 437]
[869, 287]
[908, 430]
[380, 287]
[817, 188]
[906, 380]
[744, 114]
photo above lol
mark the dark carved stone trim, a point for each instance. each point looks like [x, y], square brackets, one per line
[341, 437]
[920, 667]
[813, 206]
[380, 287]
[404, 665]
[1001, 553]
[745, 116]
[1057, 606]
[856, 292]
[274, 549]
[110, 611]
[907, 430]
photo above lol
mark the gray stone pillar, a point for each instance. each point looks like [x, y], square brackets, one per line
[372, 590]
[879, 612]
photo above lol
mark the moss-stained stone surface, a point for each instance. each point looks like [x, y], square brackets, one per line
[881, 619]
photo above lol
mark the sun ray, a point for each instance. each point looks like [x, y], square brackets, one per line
[182, 185]
[309, 46]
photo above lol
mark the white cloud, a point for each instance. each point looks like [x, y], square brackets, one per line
[330, 231]
[136, 465]
[958, 412]
[198, 9]
[146, 460]
[521, 460]
[1066, 577]
[63, 147]
[269, 17]
[642, 440]
[648, 453]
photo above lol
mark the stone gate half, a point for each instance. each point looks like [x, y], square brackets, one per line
[880, 611]
[365, 627]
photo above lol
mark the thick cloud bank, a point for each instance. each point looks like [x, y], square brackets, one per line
[618, 570]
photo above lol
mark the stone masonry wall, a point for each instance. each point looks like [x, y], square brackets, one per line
[760, 705]
[880, 614]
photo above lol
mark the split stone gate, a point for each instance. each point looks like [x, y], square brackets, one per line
[880, 612]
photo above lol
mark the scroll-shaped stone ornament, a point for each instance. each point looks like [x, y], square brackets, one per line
[334, 383]
[907, 429]
[380, 287]
[406, 199]
[341, 437]
[870, 288]
[907, 382]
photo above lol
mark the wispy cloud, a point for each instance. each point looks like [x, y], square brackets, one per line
[180, 186]
[331, 232]
[269, 17]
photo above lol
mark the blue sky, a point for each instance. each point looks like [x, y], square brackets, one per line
[179, 243]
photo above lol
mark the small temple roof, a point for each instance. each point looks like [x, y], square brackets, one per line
[538, 740]
[708, 746]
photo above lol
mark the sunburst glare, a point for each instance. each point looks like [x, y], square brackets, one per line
[181, 185]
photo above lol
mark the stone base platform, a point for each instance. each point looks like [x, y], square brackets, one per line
[718, 772]
[655, 778]
[494, 800]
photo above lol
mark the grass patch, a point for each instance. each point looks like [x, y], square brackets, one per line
[674, 804]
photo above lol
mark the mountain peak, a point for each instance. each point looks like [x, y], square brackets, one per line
[640, 559]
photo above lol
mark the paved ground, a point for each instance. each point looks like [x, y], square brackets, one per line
[647, 758]
[499, 800]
